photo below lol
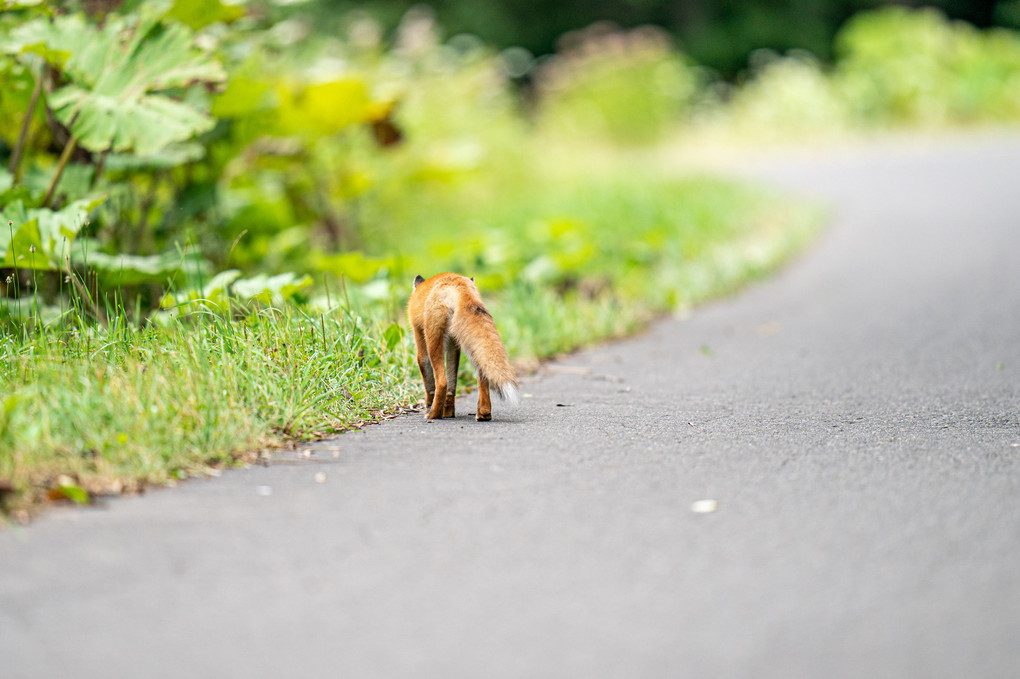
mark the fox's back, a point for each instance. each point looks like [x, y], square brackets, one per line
[448, 290]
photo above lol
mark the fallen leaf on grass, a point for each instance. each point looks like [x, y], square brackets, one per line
[68, 489]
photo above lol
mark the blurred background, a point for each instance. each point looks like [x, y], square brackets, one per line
[720, 34]
[162, 152]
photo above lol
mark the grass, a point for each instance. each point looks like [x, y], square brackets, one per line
[122, 409]
[89, 410]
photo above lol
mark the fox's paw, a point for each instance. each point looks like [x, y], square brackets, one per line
[483, 417]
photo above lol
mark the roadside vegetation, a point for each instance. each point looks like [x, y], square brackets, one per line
[210, 214]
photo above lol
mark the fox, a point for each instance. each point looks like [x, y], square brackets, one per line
[447, 315]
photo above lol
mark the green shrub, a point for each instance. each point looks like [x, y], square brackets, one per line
[629, 86]
[786, 96]
[902, 66]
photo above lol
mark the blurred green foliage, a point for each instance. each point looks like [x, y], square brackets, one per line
[894, 67]
[720, 34]
[786, 96]
[174, 154]
[629, 86]
[915, 66]
[277, 168]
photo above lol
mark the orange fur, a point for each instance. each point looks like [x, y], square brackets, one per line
[446, 314]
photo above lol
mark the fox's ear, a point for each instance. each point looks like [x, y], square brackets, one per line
[418, 280]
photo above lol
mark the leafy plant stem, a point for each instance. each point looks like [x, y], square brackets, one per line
[19, 146]
[72, 143]
[100, 166]
[142, 230]
[17, 285]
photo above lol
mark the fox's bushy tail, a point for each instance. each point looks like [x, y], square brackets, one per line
[475, 332]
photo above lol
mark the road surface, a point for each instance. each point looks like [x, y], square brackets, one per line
[856, 421]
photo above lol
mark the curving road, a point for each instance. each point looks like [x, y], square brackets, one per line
[856, 420]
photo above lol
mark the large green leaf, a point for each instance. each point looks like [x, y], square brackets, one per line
[171, 156]
[42, 37]
[323, 108]
[27, 309]
[228, 285]
[145, 126]
[270, 289]
[41, 238]
[123, 79]
[354, 265]
[39, 5]
[216, 292]
[199, 13]
[131, 56]
[121, 269]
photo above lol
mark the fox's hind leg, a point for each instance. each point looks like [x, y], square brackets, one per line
[435, 342]
[484, 403]
[425, 366]
[452, 367]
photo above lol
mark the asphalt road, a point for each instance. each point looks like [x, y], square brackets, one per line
[856, 419]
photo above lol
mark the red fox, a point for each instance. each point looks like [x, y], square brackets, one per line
[446, 314]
